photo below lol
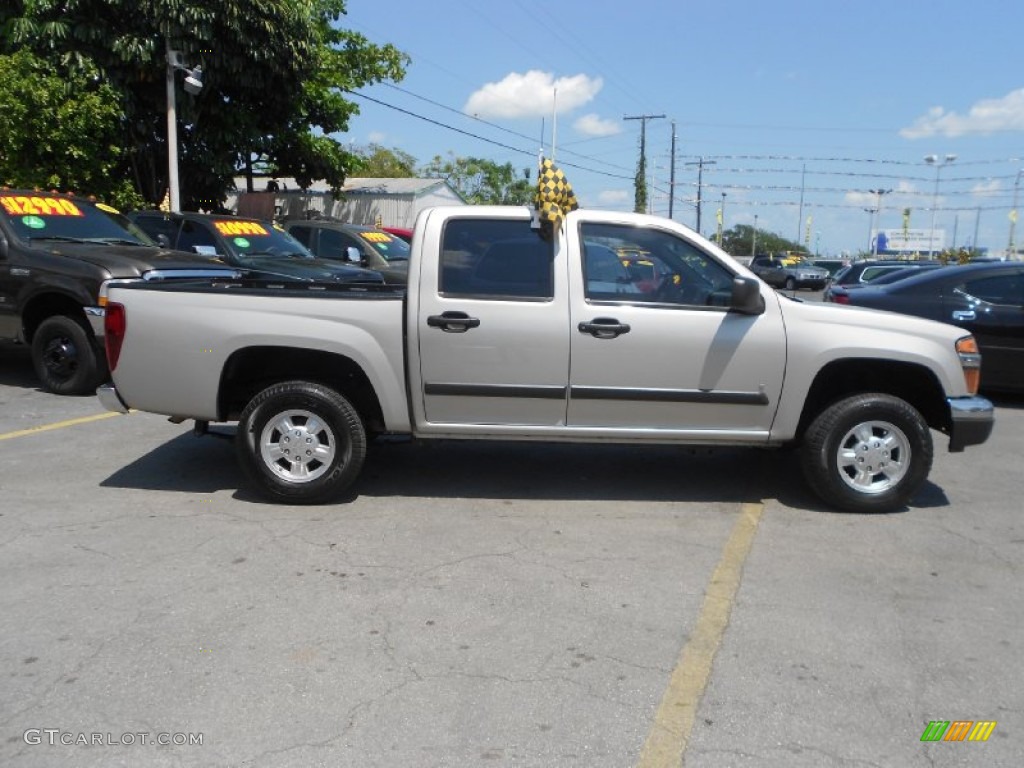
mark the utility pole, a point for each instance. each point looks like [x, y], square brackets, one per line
[700, 163]
[640, 200]
[672, 176]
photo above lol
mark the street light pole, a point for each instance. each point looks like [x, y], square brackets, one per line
[878, 210]
[721, 222]
[753, 243]
[871, 221]
[1011, 249]
[938, 163]
[172, 132]
[193, 84]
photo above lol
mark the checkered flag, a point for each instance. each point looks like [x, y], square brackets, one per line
[554, 196]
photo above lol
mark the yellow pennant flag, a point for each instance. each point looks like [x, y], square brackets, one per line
[554, 197]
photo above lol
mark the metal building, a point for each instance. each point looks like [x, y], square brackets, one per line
[380, 202]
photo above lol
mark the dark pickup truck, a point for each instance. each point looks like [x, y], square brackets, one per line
[55, 251]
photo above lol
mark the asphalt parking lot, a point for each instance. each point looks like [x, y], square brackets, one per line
[493, 604]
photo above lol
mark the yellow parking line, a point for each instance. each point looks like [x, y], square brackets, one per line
[57, 425]
[673, 722]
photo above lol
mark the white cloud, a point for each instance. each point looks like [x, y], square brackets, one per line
[376, 137]
[984, 117]
[531, 95]
[988, 188]
[593, 125]
[612, 197]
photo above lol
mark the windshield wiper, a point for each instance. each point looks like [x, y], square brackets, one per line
[118, 241]
[60, 238]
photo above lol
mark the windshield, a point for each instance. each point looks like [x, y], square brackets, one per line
[249, 239]
[390, 247]
[40, 217]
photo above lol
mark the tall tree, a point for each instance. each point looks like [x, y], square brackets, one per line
[274, 76]
[483, 182]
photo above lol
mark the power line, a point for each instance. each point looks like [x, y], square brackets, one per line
[509, 147]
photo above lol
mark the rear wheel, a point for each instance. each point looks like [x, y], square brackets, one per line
[66, 359]
[301, 442]
[867, 453]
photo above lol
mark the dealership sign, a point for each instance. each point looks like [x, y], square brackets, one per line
[907, 240]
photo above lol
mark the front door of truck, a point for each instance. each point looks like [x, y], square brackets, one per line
[667, 359]
[492, 325]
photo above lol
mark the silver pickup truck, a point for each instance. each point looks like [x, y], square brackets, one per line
[503, 333]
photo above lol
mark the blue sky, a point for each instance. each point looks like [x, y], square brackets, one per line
[787, 100]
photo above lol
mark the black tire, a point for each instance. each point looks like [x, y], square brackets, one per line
[333, 449]
[867, 453]
[790, 284]
[66, 357]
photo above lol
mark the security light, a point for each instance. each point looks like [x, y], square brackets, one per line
[194, 81]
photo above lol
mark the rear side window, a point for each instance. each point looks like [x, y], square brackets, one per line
[495, 259]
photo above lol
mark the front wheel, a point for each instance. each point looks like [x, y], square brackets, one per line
[66, 359]
[867, 453]
[301, 443]
[790, 284]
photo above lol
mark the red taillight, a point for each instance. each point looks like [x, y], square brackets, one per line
[113, 332]
[840, 298]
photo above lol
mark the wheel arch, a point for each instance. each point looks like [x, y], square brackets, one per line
[912, 382]
[251, 370]
[46, 305]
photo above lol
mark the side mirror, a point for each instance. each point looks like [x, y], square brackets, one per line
[746, 296]
[353, 255]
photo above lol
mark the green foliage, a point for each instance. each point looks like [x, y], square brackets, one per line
[640, 186]
[274, 75]
[60, 132]
[377, 162]
[483, 182]
[739, 241]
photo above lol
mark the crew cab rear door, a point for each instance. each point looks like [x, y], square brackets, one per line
[492, 325]
[671, 360]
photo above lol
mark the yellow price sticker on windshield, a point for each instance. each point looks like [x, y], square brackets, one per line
[37, 205]
[376, 237]
[232, 228]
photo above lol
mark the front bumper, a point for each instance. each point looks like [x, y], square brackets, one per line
[109, 399]
[970, 423]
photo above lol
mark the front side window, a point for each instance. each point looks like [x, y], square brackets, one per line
[644, 265]
[495, 259]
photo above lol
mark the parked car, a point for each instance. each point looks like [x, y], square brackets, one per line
[836, 291]
[986, 299]
[354, 243]
[399, 232]
[789, 272]
[258, 247]
[832, 265]
[867, 270]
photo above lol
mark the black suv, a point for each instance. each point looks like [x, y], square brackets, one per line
[56, 250]
[259, 248]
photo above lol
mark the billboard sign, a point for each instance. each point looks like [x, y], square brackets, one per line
[902, 241]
